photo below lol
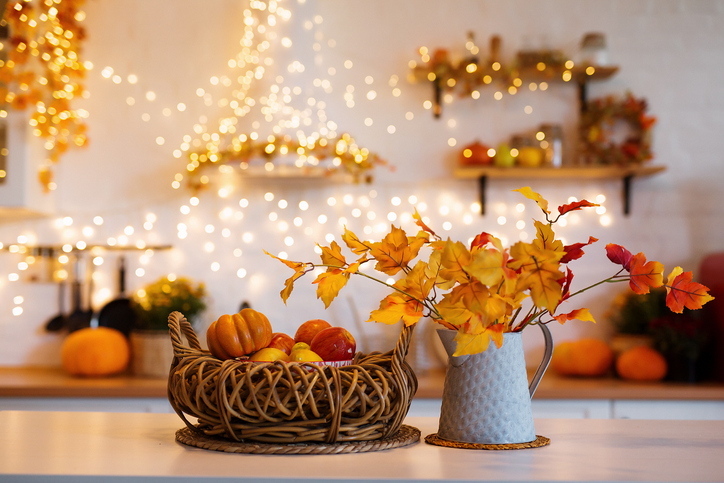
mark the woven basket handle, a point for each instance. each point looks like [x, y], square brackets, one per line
[177, 324]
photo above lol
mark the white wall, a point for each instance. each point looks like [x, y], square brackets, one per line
[668, 51]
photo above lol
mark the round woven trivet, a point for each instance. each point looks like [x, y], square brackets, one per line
[438, 441]
[405, 436]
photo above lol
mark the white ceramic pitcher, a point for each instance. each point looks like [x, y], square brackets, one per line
[486, 397]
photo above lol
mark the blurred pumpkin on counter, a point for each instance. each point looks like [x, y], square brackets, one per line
[95, 352]
[641, 363]
[588, 357]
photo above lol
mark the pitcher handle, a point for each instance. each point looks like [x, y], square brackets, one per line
[544, 363]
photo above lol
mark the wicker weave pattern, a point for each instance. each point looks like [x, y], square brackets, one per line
[280, 402]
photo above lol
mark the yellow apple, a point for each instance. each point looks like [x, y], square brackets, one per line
[304, 355]
[269, 354]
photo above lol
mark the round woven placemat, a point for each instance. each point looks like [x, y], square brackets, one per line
[405, 436]
[438, 441]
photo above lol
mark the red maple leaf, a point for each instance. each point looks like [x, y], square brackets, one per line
[566, 292]
[481, 240]
[685, 293]
[576, 205]
[575, 251]
[618, 254]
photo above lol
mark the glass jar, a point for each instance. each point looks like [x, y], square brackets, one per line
[593, 49]
[551, 141]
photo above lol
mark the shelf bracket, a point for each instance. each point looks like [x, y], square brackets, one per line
[627, 194]
[482, 183]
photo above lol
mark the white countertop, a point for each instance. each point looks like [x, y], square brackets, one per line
[76, 446]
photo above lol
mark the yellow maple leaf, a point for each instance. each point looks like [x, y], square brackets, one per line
[532, 195]
[479, 340]
[354, 267]
[545, 238]
[416, 283]
[357, 246]
[394, 308]
[528, 256]
[453, 312]
[289, 285]
[545, 290]
[455, 258]
[329, 284]
[434, 265]
[487, 267]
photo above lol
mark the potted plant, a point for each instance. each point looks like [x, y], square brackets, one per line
[680, 337]
[485, 292]
[150, 344]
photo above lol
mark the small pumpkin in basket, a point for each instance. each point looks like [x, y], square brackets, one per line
[237, 335]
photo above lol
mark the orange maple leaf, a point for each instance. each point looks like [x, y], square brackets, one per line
[299, 270]
[645, 275]
[682, 292]
[357, 246]
[578, 314]
[418, 221]
[332, 255]
[396, 250]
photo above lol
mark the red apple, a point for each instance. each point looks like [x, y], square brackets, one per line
[334, 344]
[282, 341]
[307, 331]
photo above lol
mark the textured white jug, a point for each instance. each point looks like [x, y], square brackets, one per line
[486, 397]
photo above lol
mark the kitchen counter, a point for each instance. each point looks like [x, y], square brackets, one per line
[44, 382]
[89, 447]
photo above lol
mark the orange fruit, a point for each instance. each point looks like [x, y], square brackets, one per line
[587, 357]
[641, 364]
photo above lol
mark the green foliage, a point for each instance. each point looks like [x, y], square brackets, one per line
[632, 313]
[157, 300]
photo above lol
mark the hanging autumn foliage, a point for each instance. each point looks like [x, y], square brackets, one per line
[43, 71]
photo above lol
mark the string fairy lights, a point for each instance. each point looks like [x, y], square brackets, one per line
[268, 117]
[42, 69]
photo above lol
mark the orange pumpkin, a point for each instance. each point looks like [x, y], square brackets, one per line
[475, 154]
[585, 357]
[239, 334]
[641, 363]
[95, 352]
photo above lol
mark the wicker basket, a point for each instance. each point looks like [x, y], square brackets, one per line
[289, 402]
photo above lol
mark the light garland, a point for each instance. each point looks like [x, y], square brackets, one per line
[293, 219]
[44, 71]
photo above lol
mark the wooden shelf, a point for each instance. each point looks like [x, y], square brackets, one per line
[626, 174]
[575, 172]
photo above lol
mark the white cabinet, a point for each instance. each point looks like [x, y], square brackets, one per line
[602, 409]
[85, 404]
